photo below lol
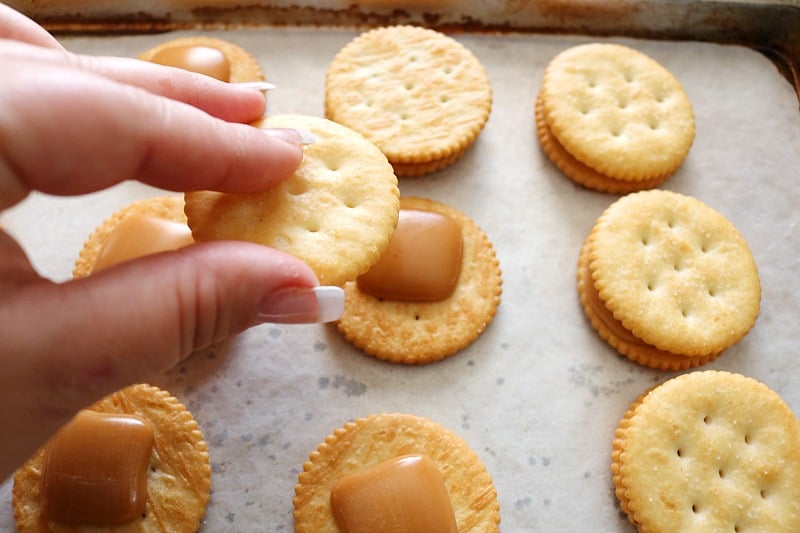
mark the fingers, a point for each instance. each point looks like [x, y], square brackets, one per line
[18, 27]
[223, 100]
[125, 324]
[68, 131]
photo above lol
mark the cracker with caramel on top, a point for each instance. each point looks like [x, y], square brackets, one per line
[167, 208]
[238, 62]
[414, 331]
[178, 476]
[369, 441]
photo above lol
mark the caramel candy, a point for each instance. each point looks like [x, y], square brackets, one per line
[200, 59]
[138, 235]
[402, 495]
[422, 262]
[95, 470]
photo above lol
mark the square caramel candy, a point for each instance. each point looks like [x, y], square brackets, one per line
[422, 262]
[406, 494]
[95, 470]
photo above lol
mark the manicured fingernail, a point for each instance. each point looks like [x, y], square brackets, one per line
[262, 86]
[302, 305]
[294, 136]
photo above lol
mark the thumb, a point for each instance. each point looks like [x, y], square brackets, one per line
[68, 345]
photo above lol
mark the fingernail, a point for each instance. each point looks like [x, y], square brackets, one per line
[303, 305]
[294, 136]
[262, 86]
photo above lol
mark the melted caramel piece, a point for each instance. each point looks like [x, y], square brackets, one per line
[403, 495]
[422, 262]
[138, 235]
[95, 470]
[200, 59]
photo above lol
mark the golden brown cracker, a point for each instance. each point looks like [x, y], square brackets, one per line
[708, 451]
[337, 213]
[616, 111]
[244, 66]
[423, 332]
[614, 333]
[673, 272]
[577, 171]
[166, 207]
[179, 477]
[419, 95]
[377, 438]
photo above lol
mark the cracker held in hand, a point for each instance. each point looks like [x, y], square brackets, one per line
[709, 451]
[668, 281]
[419, 332]
[169, 208]
[419, 95]
[336, 213]
[613, 119]
[242, 65]
[178, 479]
[378, 438]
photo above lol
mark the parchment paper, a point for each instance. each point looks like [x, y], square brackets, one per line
[539, 394]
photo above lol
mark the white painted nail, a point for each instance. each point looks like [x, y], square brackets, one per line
[330, 303]
[294, 136]
[262, 86]
[296, 305]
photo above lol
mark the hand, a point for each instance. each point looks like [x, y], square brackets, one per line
[74, 124]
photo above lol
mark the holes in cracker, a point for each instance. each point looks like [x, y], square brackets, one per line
[348, 199]
[313, 226]
[296, 187]
[628, 76]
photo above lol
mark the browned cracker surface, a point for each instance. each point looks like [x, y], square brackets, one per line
[377, 438]
[179, 477]
[709, 451]
[337, 213]
[422, 332]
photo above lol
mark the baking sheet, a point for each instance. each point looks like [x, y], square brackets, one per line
[539, 394]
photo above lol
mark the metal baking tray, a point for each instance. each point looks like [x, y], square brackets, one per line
[539, 394]
[768, 26]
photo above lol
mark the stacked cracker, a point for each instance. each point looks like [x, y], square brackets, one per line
[419, 95]
[613, 119]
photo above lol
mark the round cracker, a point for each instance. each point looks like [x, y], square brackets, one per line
[179, 476]
[577, 171]
[423, 332]
[675, 272]
[614, 333]
[166, 207]
[377, 438]
[709, 451]
[419, 95]
[617, 111]
[337, 213]
[244, 66]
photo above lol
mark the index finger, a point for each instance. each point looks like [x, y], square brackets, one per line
[66, 131]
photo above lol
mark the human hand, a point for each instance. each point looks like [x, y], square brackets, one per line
[74, 124]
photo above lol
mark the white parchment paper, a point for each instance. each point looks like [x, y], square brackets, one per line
[539, 394]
